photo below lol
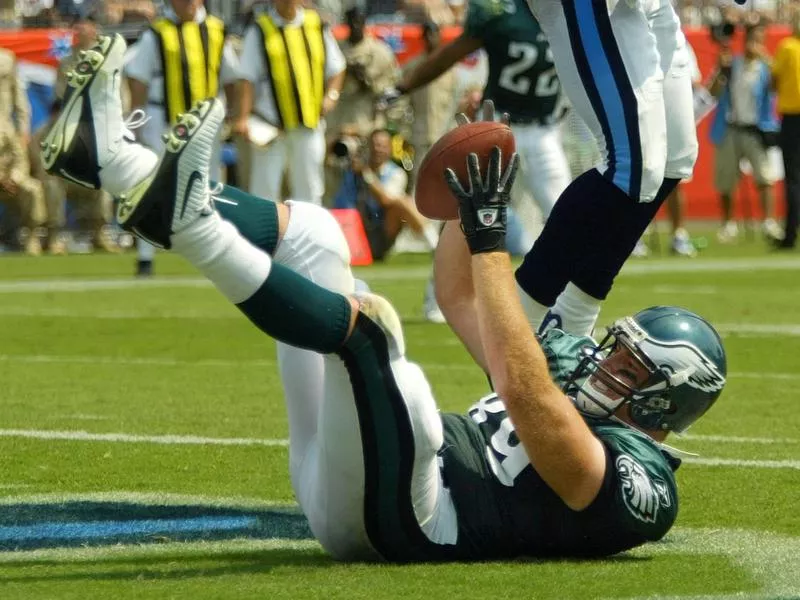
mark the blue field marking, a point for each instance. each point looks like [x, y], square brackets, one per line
[33, 526]
[56, 531]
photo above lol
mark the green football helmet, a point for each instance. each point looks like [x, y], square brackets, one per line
[684, 356]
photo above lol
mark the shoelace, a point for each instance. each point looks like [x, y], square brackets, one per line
[211, 194]
[136, 119]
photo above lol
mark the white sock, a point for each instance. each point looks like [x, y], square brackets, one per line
[145, 251]
[533, 310]
[236, 267]
[577, 310]
[129, 166]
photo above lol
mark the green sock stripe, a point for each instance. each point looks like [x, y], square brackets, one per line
[294, 310]
[388, 447]
[255, 218]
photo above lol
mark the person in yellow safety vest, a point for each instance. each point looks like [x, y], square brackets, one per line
[181, 59]
[292, 72]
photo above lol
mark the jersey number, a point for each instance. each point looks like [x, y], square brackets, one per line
[512, 78]
[506, 456]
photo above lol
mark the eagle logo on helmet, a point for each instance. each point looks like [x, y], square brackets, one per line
[685, 360]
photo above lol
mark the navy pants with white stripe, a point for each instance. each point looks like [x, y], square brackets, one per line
[625, 69]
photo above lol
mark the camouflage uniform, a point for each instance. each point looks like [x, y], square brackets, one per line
[357, 102]
[433, 105]
[93, 208]
[27, 200]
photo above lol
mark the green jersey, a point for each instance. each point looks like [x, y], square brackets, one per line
[504, 507]
[522, 76]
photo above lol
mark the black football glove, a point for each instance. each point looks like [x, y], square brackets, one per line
[483, 209]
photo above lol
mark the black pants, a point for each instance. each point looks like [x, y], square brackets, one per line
[790, 146]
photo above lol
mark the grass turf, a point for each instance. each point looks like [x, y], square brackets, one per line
[170, 357]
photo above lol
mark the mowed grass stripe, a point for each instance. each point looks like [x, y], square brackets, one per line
[396, 273]
[128, 361]
[755, 329]
[766, 557]
[192, 440]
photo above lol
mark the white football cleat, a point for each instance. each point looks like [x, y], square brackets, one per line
[176, 193]
[89, 130]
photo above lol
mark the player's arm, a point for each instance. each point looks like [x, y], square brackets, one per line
[559, 444]
[442, 59]
[452, 272]
[455, 294]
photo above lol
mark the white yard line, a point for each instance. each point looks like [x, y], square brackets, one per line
[193, 440]
[92, 285]
[741, 463]
[127, 438]
[68, 313]
[152, 498]
[185, 549]
[762, 329]
[735, 439]
[132, 361]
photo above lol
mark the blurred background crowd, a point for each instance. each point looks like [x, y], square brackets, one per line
[340, 144]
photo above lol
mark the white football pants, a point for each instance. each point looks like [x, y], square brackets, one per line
[544, 170]
[326, 452]
[303, 151]
[611, 59]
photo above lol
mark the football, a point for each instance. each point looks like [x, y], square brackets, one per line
[432, 196]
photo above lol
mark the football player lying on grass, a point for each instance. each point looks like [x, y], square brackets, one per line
[377, 470]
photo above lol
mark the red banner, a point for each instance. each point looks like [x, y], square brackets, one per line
[46, 46]
[41, 46]
[702, 199]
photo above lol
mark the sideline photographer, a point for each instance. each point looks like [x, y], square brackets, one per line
[376, 187]
[745, 126]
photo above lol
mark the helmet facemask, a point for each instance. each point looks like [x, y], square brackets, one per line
[618, 371]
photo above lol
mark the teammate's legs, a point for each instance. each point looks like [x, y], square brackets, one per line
[307, 154]
[268, 166]
[544, 165]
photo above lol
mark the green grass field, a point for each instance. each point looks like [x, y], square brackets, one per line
[127, 404]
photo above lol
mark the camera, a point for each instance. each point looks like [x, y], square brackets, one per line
[346, 147]
[722, 32]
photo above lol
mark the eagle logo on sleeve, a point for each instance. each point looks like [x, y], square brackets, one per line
[642, 495]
